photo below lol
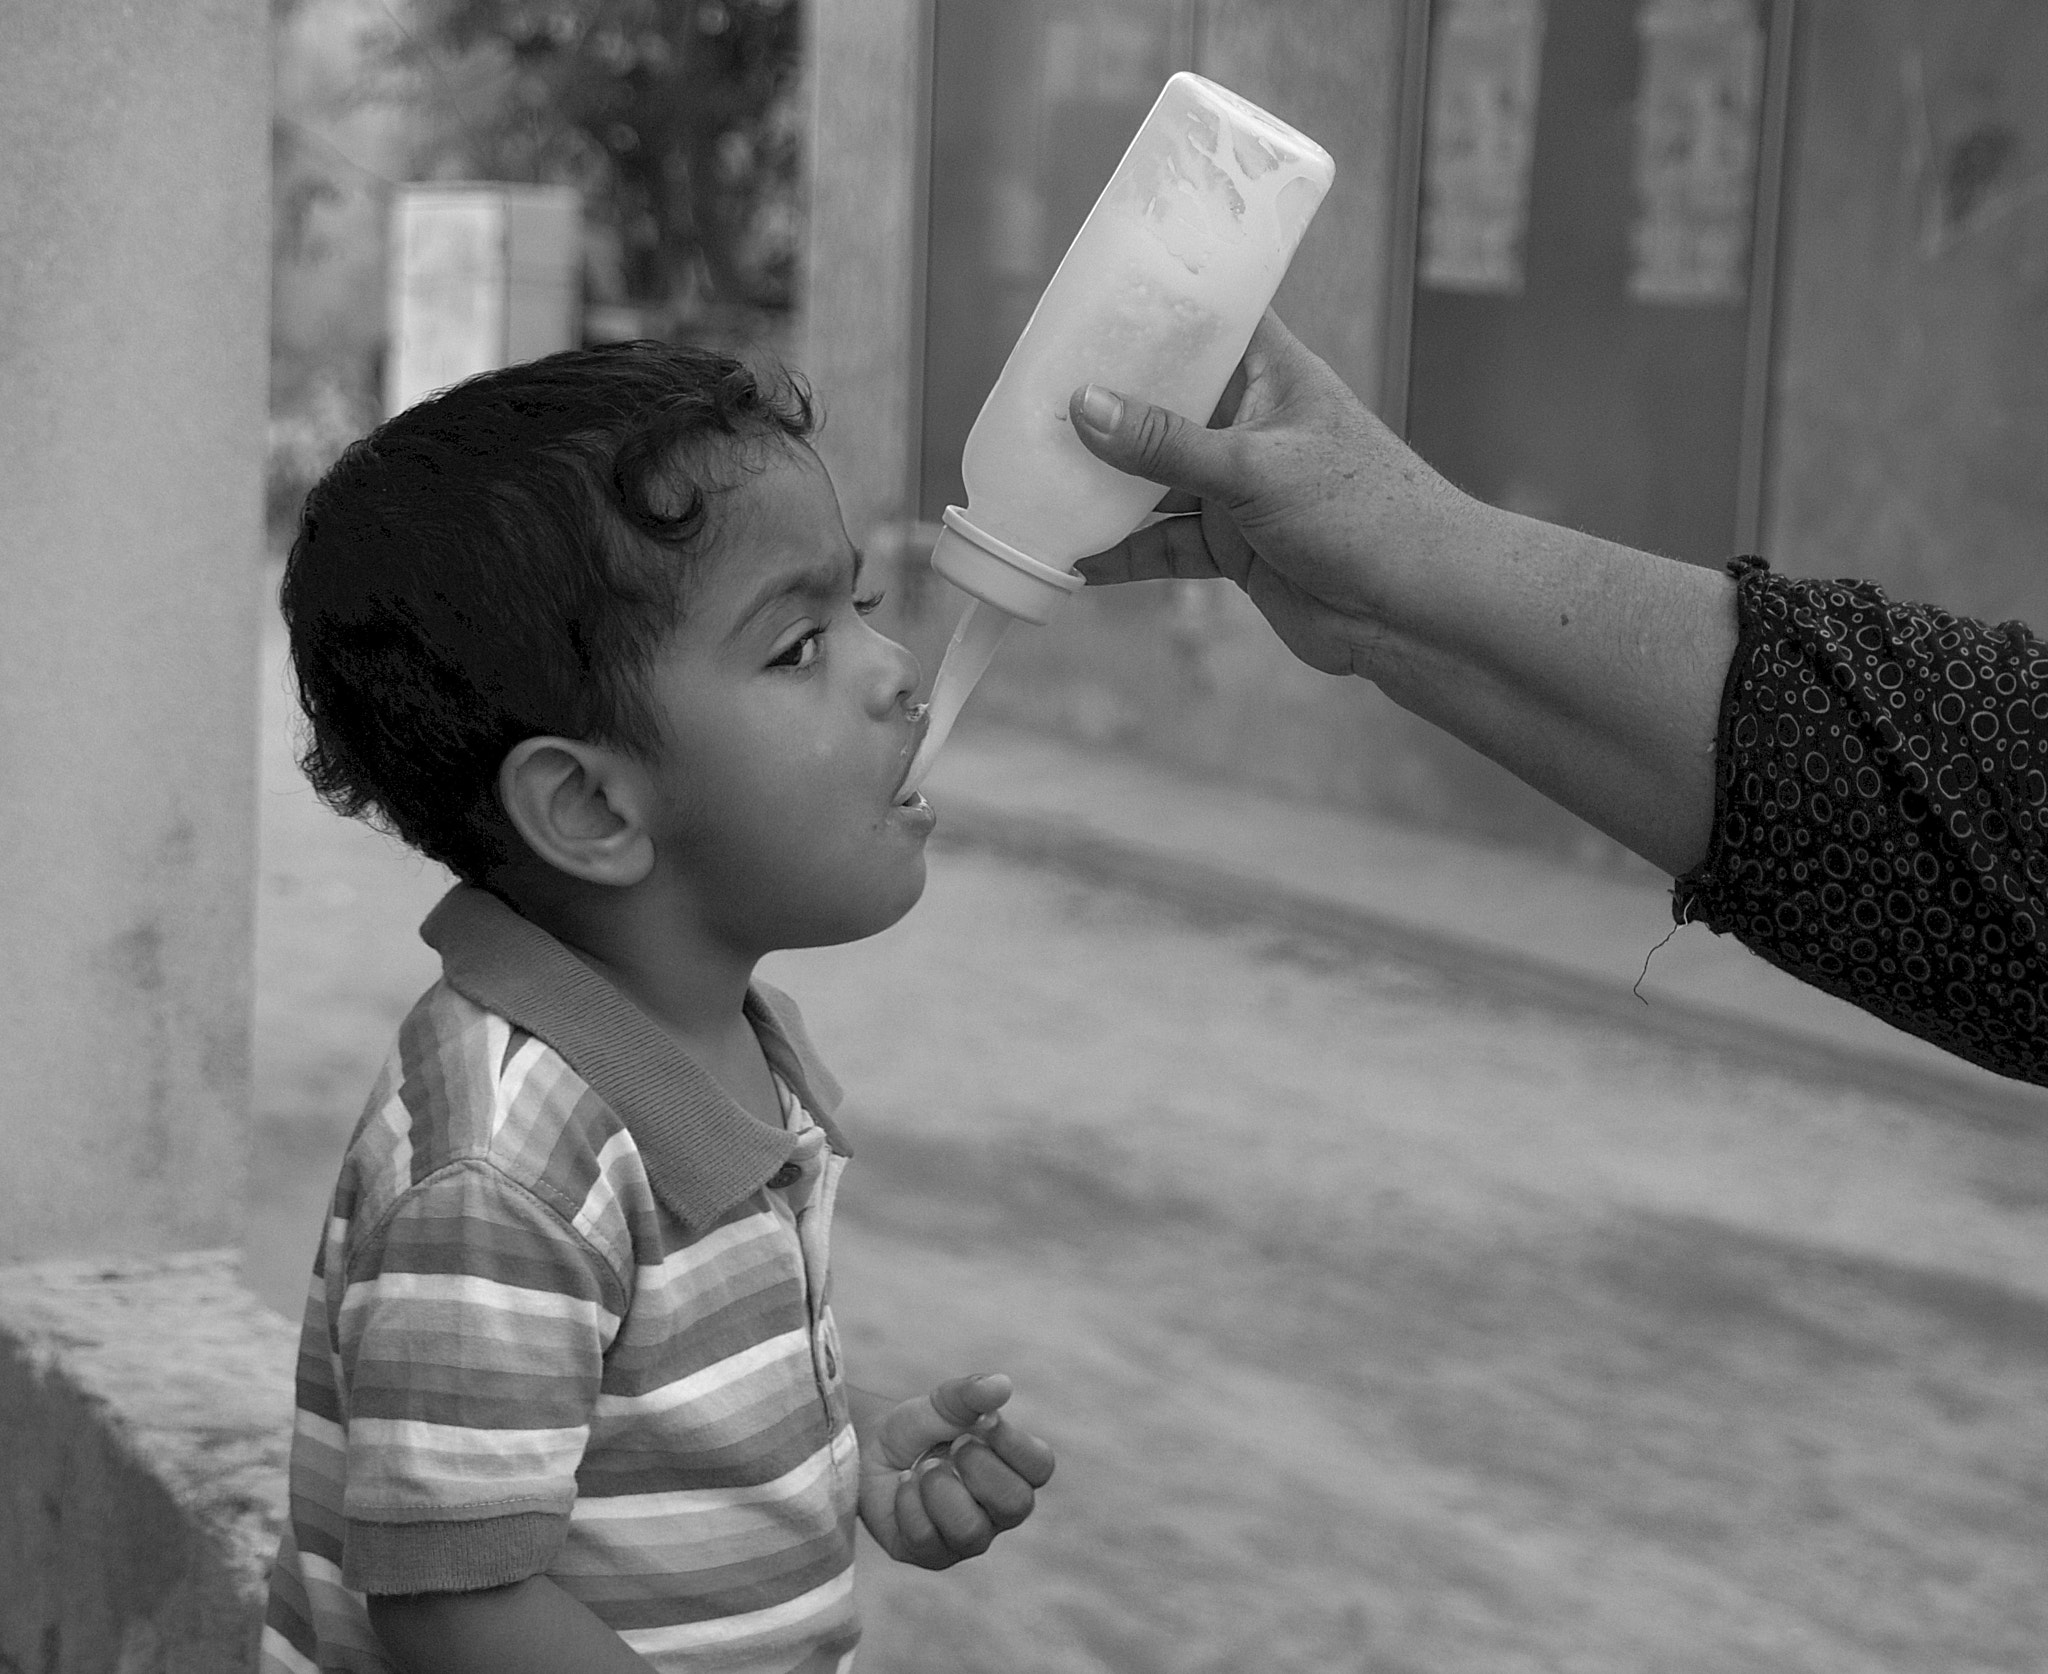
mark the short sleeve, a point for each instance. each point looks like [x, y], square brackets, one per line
[1881, 812]
[470, 1338]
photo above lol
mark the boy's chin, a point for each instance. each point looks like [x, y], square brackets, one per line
[871, 916]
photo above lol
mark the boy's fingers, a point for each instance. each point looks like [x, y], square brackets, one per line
[957, 1406]
[919, 1540]
[1028, 1455]
[1002, 1493]
[955, 1514]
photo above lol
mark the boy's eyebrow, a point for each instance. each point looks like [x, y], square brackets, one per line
[812, 581]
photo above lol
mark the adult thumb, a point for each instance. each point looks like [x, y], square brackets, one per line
[1151, 442]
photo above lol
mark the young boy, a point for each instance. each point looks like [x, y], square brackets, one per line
[590, 632]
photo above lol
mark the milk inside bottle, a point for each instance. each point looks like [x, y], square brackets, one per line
[1156, 298]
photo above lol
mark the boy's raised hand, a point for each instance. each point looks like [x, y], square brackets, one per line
[942, 1475]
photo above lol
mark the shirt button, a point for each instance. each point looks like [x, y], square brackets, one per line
[786, 1176]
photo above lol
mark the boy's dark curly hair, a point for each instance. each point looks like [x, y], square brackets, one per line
[501, 561]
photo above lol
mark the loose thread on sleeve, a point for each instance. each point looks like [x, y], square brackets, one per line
[1637, 990]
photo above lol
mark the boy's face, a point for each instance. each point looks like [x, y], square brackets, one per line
[789, 728]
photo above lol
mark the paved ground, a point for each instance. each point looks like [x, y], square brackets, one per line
[1387, 1317]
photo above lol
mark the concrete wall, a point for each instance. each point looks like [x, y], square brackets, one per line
[1912, 387]
[145, 1410]
[133, 278]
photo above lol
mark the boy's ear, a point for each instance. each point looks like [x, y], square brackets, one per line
[582, 808]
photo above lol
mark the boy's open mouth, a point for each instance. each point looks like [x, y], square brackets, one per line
[908, 795]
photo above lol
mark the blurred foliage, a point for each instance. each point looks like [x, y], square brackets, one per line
[305, 436]
[677, 119]
[336, 151]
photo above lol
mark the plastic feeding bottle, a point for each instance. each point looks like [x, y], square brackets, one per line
[1156, 298]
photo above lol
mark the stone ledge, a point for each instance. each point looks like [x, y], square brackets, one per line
[145, 1419]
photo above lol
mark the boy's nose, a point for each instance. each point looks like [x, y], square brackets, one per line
[898, 678]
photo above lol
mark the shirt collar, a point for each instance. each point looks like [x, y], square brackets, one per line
[703, 1152]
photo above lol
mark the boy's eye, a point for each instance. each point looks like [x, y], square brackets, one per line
[799, 653]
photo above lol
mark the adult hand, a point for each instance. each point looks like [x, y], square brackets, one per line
[942, 1475]
[1592, 671]
[1308, 502]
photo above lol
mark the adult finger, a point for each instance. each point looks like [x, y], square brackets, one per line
[1231, 400]
[1175, 549]
[1278, 367]
[1272, 350]
[1152, 442]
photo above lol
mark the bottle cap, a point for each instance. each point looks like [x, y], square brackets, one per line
[1014, 582]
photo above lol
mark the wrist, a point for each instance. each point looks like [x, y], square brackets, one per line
[1428, 583]
[1442, 573]
[864, 1410]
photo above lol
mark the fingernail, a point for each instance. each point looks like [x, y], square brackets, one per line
[1100, 408]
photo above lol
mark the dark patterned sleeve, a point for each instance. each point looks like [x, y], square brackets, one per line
[1881, 812]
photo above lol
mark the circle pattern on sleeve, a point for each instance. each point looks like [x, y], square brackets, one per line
[1881, 812]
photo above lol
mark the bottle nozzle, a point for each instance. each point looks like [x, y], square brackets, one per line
[975, 638]
[993, 570]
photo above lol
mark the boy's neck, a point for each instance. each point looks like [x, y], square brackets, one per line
[692, 987]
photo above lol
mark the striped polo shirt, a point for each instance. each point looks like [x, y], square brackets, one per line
[570, 1317]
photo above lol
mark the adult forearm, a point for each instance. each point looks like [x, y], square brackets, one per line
[1591, 671]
